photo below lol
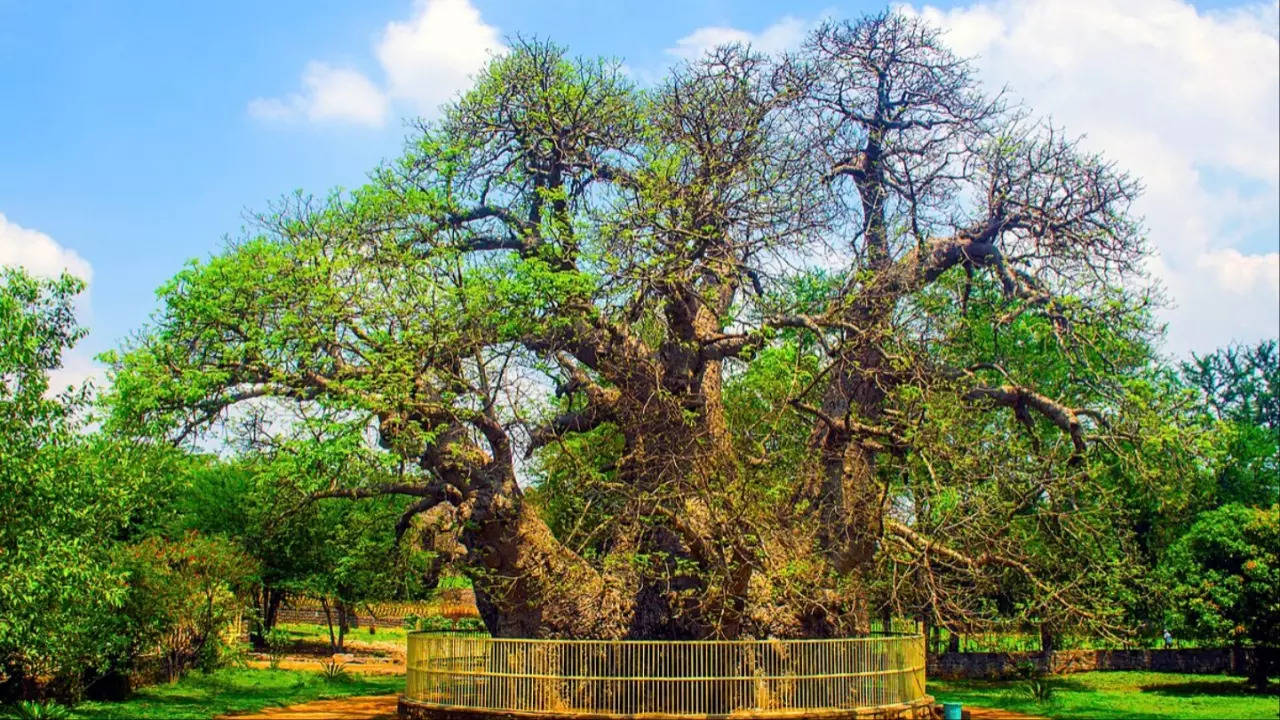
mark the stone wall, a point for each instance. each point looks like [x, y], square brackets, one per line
[381, 614]
[1233, 661]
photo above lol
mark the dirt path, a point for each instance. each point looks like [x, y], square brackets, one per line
[368, 707]
[383, 707]
[977, 713]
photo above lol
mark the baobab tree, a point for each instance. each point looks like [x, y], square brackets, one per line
[761, 350]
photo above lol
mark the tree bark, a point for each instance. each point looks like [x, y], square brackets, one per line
[328, 616]
[343, 622]
[268, 600]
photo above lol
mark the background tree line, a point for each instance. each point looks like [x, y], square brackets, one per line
[120, 555]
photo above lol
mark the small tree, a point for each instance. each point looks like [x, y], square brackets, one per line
[362, 562]
[1223, 577]
[247, 502]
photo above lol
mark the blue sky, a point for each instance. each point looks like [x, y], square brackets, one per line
[135, 135]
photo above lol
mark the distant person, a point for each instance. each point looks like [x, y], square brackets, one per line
[1168, 639]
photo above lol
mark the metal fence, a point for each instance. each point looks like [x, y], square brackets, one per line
[694, 678]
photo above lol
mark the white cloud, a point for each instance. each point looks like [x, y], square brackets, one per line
[38, 253]
[426, 60]
[1247, 275]
[785, 34]
[41, 255]
[1190, 103]
[329, 94]
[435, 53]
[1245, 290]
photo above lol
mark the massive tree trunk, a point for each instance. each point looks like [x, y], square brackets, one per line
[528, 584]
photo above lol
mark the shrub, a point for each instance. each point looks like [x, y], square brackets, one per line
[1222, 578]
[183, 595]
[67, 495]
[277, 642]
[1034, 683]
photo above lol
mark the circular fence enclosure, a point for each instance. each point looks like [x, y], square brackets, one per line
[453, 677]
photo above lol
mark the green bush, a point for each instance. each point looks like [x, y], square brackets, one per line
[438, 623]
[67, 496]
[277, 642]
[1222, 578]
[183, 596]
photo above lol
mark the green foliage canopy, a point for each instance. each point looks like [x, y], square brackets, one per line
[773, 342]
[65, 497]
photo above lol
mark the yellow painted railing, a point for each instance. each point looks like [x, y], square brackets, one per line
[694, 678]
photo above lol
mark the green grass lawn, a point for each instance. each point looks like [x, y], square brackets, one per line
[1138, 695]
[204, 696]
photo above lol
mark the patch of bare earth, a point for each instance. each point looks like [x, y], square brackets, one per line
[370, 658]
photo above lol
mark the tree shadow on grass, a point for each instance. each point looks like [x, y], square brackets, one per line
[1064, 682]
[1209, 687]
[1059, 682]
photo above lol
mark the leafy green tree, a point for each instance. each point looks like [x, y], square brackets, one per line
[65, 496]
[1149, 459]
[1241, 390]
[1240, 382]
[362, 563]
[260, 500]
[718, 319]
[1223, 580]
[266, 516]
